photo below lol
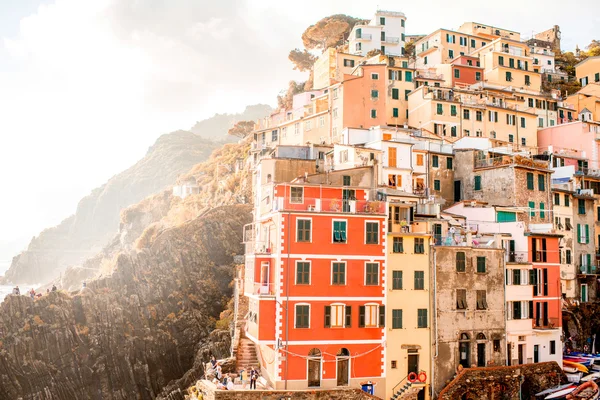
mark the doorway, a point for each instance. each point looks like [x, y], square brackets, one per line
[521, 354]
[343, 367]
[413, 364]
[464, 350]
[314, 368]
[457, 191]
[347, 195]
[437, 234]
[481, 354]
[509, 354]
[536, 353]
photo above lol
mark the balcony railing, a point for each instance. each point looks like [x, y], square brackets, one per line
[264, 289]
[509, 160]
[461, 240]
[517, 257]
[546, 323]
[587, 269]
[329, 205]
[258, 247]
[429, 75]
[515, 52]
[391, 40]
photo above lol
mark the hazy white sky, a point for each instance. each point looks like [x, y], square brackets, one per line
[87, 85]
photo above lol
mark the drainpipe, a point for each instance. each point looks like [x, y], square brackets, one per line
[287, 301]
[434, 311]
[505, 328]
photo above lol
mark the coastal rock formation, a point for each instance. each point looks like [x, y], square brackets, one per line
[133, 333]
[97, 217]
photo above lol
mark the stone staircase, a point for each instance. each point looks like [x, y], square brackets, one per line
[246, 355]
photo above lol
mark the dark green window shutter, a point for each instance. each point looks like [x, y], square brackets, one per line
[578, 233]
[327, 316]
[587, 233]
[406, 93]
[381, 316]
[361, 316]
[395, 94]
[457, 73]
[542, 213]
[477, 182]
[541, 183]
[532, 211]
[395, 112]
[348, 316]
[448, 163]
[530, 181]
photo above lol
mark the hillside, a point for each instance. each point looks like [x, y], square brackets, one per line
[216, 127]
[96, 220]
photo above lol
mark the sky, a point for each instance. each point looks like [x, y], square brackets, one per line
[87, 86]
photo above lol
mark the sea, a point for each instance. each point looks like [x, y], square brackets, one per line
[4, 290]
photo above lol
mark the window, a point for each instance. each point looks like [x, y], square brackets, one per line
[457, 73]
[335, 113]
[296, 195]
[477, 76]
[580, 206]
[339, 231]
[408, 76]
[448, 162]
[516, 277]
[556, 199]
[522, 122]
[479, 116]
[542, 213]
[527, 81]
[396, 280]
[402, 23]
[461, 261]
[541, 183]
[532, 209]
[496, 344]
[511, 62]
[425, 60]
[440, 109]
[375, 94]
[435, 161]
[302, 316]
[568, 256]
[395, 94]
[511, 138]
[523, 141]
[302, 273]
[477, 182]
[566, 200]
[381, 20]
[420, 159]
[461, 299]
[453, 110]
[394, 364]
[422, 318]
[396, 319]
[436, 185]
[493, 116]
[451, 54]
[372, 233]
[273, 136]
[419, 246]
[371, 274]
[368, 315]
[346, 180]
[395, 113]
[501, 60]
[419, 280]
[481, 300]
[303, 230]
[553, 342]
[348, 63]
[338, 273]
[530, 180]
[373, 114]
[392, 157]
[337, 315]
[509, 76]
[481, 265]
[516, 310]
[540, 122]
[375, 76]
[406, 93]
[510, 119]
[596, 79]
[398, 246]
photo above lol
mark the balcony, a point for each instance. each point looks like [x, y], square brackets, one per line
[464, 241]
[329, 205]
[259, 247]
[517, 257]
[515, 52]
[429, 75]
[546, 323]
[391, 40]
[264, 289]
[364, 36]
[509, 160]
[586, 269]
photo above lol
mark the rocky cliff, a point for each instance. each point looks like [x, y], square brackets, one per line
[216, 127]
[97, 217]
[130, 334]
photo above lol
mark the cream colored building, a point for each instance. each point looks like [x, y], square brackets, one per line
[488, 31]
[332, 66]
[443, 46]
[588, 71]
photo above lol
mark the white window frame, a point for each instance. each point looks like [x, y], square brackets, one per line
[378, 230]
[309, 314]
[339, 220]
[587, 292]
[334, 322]
[291, 197]
[297, 128]
[368, 315]
[309, 272]
[378, 273]
[311, 227]
[321, 121]
[345, 271]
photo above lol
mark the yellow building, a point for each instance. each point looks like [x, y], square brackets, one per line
[509, 63]
[588, 71]
[588, 97]
[331, 67]
[408, 335]
[443, 46]
[488, 31]
[456, 113]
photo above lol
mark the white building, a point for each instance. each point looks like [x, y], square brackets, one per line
[384, 32]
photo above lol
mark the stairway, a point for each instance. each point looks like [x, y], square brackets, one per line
[246, 355]
[409, 393]
[401, 391]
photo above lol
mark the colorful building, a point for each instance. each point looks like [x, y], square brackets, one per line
[588, 71]
[385, 32]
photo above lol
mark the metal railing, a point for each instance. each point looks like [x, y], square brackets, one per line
[587, 269]
[365, 36]
[264, 289]
[329, 205]
[517, 257]
[546, 323]
[391, 39]
[520, 53]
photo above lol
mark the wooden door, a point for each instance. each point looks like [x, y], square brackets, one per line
[314, 372]
[342, 371]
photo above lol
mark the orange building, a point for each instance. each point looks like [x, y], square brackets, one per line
[546, 310]
[316, 263]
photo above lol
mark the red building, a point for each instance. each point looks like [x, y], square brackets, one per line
[466, 71]
[315, 278]
[544, 254]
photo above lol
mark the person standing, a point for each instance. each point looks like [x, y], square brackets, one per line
[253, 378]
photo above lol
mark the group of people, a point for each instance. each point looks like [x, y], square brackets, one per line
[225, 382]
[32, 293]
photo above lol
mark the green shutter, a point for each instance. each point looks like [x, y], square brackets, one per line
[327, 316]
[532, 206]
[505, 216]
[587, 233]
[477, 182]
[542, 213]
[395, 112]
[578, 233]
[529, 181]
[395, 94]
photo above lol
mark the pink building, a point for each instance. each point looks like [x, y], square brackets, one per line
[577, 138]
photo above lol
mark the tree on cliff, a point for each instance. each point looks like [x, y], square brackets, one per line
[593, 48]
[285, 98]
[302, 59]
[241, 129]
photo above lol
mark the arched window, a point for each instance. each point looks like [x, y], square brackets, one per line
[464, 336]
[343, 352]
[314, 353]
[481, 336]
[464, 349]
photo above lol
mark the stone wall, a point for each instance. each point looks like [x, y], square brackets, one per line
[504, 382]
[209, 392]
